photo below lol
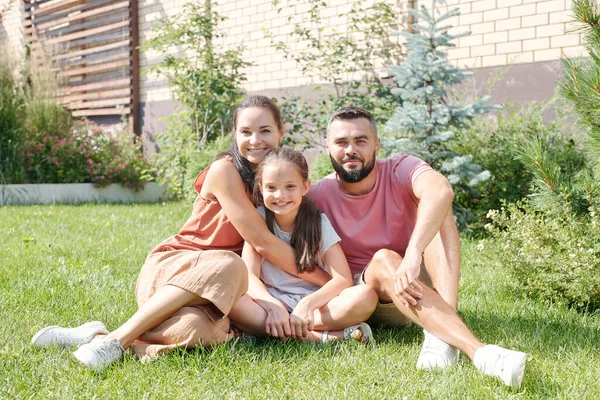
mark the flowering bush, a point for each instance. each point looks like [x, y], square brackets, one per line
[88, 154]
[555, 256]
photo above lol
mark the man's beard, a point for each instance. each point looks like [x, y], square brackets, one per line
[355, 175]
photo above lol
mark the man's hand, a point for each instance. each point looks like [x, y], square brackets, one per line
[303, 317]
[406, 285]
[277, 323]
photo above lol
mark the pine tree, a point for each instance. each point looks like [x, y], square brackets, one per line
[556, 191]
[424, 123]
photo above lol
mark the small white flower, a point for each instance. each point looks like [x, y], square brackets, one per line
[491, 213]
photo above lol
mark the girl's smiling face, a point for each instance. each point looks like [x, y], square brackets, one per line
[282, 188]
[256, 133]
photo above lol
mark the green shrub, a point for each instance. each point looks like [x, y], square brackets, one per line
[551, 242]
[11, 127]
[88, 154]
[321, 167]
[205, 79]
[341, 59]
[201, 159]
[48, 117]
[495, 146]
[553, 256]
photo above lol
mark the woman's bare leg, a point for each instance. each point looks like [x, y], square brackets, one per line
[164, 303]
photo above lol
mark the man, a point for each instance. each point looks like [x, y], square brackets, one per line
[398, 232]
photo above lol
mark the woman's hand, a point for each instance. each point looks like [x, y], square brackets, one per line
[277, 323]
[304, 312]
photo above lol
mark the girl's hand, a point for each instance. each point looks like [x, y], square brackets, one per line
[306, 313]
[299, 327]
[277, 323]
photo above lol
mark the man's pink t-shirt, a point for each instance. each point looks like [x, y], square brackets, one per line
[382, 219]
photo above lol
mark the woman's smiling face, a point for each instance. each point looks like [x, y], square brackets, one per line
[256, 133]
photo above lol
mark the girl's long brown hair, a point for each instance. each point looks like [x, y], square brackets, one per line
[306, 238]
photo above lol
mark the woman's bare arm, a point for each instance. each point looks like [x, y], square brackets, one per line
[223, 182]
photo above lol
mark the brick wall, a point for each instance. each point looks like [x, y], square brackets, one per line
[244, 26]
[503, 32]
[513, 31]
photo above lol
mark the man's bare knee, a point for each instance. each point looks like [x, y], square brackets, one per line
[382, 267]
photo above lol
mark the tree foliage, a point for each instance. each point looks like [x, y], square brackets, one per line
[424, 123]
[342, 62]
[556, 189]
[205, 79]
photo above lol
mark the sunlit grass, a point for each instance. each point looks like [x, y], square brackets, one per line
[70, 264]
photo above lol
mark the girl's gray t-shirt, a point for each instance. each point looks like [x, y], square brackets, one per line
[287, 288]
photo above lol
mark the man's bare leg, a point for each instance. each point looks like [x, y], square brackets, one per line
[442, 261]
[431, 311]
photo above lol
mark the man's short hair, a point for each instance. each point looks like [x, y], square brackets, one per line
[350, 113]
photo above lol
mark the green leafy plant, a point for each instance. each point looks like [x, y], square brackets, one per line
[27, 109]
[423, 123]
[557, 187]
[205, 79]
[342, 61]
[321, 167]
[556, 252]
[88, 154]
[551, 257]
[494, 145]
[11, 126]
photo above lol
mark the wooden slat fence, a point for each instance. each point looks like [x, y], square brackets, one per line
[94, 45]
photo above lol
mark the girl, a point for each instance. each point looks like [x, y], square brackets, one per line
[281, 185]
[190, 281]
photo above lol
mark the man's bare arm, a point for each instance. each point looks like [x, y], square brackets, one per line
[434, 194]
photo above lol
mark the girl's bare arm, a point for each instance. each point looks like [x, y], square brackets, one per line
[341, 279]
[277, 322]
[224, 183]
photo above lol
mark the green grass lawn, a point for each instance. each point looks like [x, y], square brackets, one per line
[67, 265]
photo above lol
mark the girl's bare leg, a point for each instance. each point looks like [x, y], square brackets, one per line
[352, 306]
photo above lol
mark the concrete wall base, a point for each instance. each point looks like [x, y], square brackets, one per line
[74, 193]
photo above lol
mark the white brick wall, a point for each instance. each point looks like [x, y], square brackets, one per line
[503, 32]
[521, 31]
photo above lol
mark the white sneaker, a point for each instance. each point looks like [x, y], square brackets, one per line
[436, 353]
[99, 353]
[505, 364]
[56, 335]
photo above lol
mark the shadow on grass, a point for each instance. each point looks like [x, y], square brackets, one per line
[538, 332]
